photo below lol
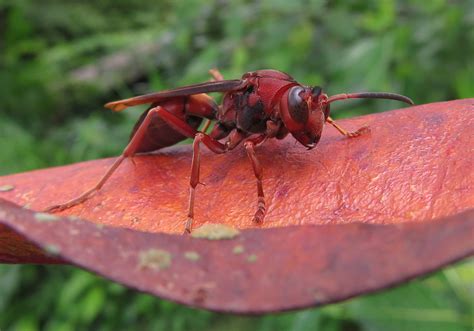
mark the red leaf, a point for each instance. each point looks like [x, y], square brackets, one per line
[415, 165]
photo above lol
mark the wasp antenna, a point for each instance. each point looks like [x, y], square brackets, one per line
[371, 95]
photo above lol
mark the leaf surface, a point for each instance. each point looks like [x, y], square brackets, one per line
[349, 217]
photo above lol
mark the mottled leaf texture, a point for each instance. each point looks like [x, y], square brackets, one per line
[351, 216]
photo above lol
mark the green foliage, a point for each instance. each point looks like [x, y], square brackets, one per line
[60, 61]
[63, 298]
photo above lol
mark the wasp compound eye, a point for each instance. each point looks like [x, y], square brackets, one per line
[298, 107]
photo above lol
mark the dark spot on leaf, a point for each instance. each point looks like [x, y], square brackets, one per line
[200, 296]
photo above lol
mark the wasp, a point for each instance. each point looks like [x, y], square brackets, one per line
[262, 105]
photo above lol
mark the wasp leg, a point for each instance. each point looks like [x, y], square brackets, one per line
[202, 105]
[235, 137]
[349, 134]
[206, 125]
[215, 147]
[216, 75]
[258, 171]
[129, 151]
[199, 137]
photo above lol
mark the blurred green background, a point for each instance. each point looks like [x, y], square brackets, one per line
[60, 62]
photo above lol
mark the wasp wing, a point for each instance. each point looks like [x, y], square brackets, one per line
[208, 87]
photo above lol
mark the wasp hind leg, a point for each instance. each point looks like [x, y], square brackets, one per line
[128, 152]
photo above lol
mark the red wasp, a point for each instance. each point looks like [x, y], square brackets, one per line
[262, 104]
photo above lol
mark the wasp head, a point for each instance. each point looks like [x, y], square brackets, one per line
[307, 110]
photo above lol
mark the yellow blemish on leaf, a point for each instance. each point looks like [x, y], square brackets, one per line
[44, 217]
[155, 259]
[239, 249]
[192, 256]
[6, 188]
[52, 249]
[212, 231]
[252, 258]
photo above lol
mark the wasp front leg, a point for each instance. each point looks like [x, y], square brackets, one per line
[349, 134]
